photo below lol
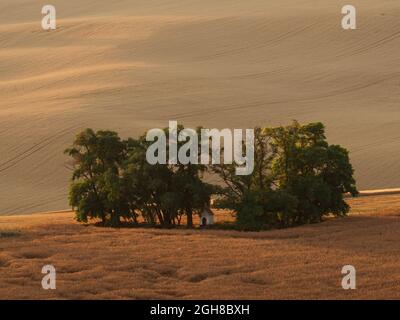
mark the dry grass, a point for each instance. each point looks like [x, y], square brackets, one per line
[304, 262]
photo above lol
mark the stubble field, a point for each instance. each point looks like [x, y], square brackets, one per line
[144, 263]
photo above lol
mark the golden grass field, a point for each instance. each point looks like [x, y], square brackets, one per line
[132, 65]
[142, 263]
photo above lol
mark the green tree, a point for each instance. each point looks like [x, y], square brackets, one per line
[165, 192]
[253, 197]
[298, 178]
[95, 190]
[315, 173]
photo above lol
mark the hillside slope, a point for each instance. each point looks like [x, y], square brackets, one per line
[133, 65]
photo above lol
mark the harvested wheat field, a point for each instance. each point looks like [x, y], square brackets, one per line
[132, 65]
[139, 263]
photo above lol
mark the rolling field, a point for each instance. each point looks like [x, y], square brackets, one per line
[133, 65]
[140, 263]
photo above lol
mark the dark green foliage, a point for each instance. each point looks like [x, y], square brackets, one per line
[298, 178]
[95, 189]
[112, 180]
[165, 193]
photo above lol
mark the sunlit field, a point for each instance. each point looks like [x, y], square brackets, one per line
[133, 65]
[148, 263]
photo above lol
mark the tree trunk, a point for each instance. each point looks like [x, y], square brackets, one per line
[115, 219]
[160, 216]
[189, 214]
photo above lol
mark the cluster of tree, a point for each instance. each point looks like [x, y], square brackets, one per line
[298, 178]
[112, 180]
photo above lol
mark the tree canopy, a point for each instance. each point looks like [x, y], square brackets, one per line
[112, 180]
[298, 178]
